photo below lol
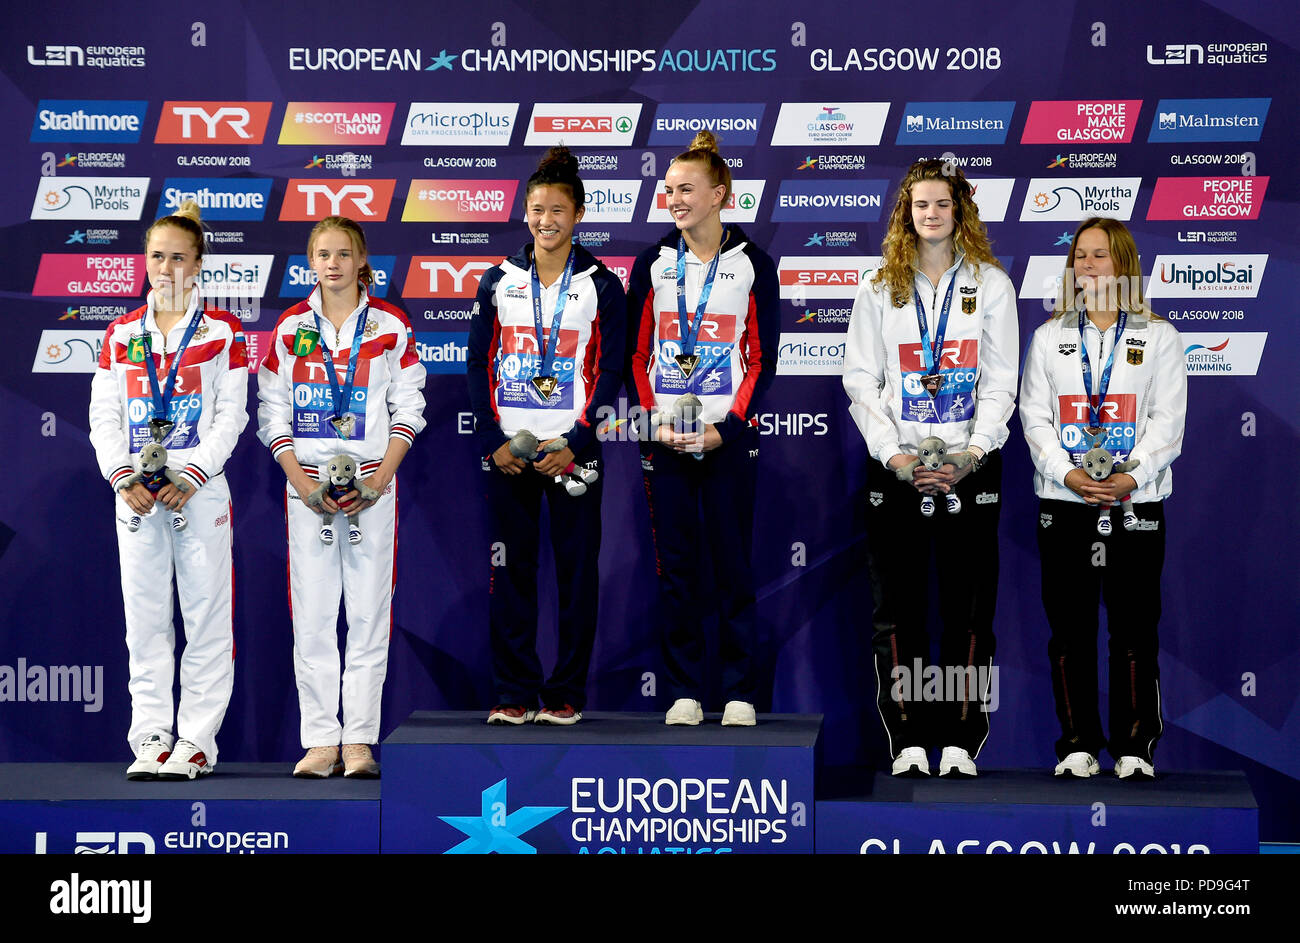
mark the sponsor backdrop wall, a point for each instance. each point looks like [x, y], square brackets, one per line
[1174, 117]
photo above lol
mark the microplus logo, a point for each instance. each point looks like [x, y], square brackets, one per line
[1209, 119]
[98, 122]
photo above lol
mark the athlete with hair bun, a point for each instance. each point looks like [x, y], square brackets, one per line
[174, 373]
[545, 357]
[932, 350]
[703, 317]
[342, 376]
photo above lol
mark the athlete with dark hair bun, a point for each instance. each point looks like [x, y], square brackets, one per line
[545, 356]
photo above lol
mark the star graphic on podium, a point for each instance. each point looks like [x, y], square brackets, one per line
[494, 829]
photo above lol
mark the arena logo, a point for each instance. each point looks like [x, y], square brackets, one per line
[1209, 119]
[446, 276]
[336, 123]
[454, 124]
[299, 278]
[675, 124]
[741, 206]
[443, 201]
[1207, 198]
[97, 122]
[1234, 354]
[992, 196]
[91, 57]
[1072, 199]
[611, 201]
[802, 276]
[219, 198]
[212, 122]
[443, 353]
[955, 122]
[66, 275]
[811, 354]
[803, 124]
[362, 200]
[1220, 54]
[375, 59]
[1059, 122]
[582, 124]
[830, 200]
[90, 197]
[1207, 276]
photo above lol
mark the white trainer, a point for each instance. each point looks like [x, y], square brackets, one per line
[148, 758]
[684, 712]
[186, 762]
[739, 714]
[912, 762]
[956, 762]
[1079, 765]
[1134, 767]
[927, 506]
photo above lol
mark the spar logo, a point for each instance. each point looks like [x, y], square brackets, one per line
[804, 276]
[1207, 276]
[299, 278]
[1207, 198]
[219, 198]
[212, 122]
[99, 122]
[582, 124]
[955, 123]
[65, 275]
[454, 124]
[90, 197]
[446, 276]
[847, 124]
[362, 200]
[1071, 199]
[459, 201]
[1060, 122]
[336, 122]
[611, 201]
[1235, 354]
[1209, 119]
[741, 206]
[675, 124]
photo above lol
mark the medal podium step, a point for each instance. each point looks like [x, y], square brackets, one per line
[1033, 812]
[615, 783]
[240, 808]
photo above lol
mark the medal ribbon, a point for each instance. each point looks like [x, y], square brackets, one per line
[931, 355]
[691, 331]
[1094, 402]
[547, 352]
[162, 395]
[343, 396]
